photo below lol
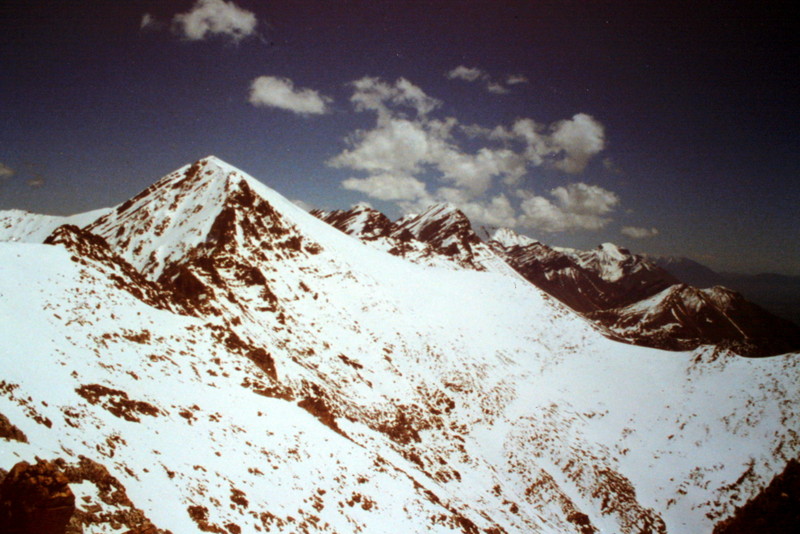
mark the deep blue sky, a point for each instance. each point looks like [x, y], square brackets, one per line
[698, 105]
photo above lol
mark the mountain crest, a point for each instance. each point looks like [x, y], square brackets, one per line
[509, 238]
[206, 204]
[360, 221]
[444, 226]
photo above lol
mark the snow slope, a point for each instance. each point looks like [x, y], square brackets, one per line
[324, 385]
[26, 227]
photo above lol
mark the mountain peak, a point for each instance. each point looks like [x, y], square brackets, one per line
[682, 317]
[614, 250]
[213, 168]
[509, 238]
[183, 210]
[362, 221]
[441, 225]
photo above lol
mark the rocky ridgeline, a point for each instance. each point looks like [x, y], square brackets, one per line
[241, 366]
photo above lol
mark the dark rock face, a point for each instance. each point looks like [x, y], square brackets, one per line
[9, 431]
[35, 499]
[775, 510]
[119, 514]
[361, 221]
[559, 275]
[685, 317]
[440, 224]
[441, 231]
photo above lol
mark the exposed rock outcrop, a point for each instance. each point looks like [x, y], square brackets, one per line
[35, 499]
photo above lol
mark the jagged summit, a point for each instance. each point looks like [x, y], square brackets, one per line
[441, 236]
[435, 210]
[599, 283]
[443, 226]
[613, 250]
[362, 221]
[611, 262]
[190, 207]
[633, 275]
[509, 238]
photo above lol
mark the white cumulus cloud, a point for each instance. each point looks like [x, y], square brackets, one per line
[388, 186]
[395, 145]
[497, 211]
[475, 172]
[374, 94]
[271, 91]
[639, 233]
[566, 145]
[214, 17]
[585, 199]
[577, 206]
[413, 159]
[580, 138]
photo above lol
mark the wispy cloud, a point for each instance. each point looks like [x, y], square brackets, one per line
[577, 206]
[580, 138]
[36, 183]
[638, 233]
[474, 74]
[150, 23]
[271, 91]
[212, 17]
[469, 74]
[6, 172]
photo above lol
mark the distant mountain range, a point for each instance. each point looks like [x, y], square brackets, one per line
[780, 294]
[630, 297]
[208, 357]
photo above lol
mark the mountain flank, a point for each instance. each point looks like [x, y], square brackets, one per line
[208, 357]
[627, 296]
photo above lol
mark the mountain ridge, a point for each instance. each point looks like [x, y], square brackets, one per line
[778, 293]
[604, 284]
[334, 386]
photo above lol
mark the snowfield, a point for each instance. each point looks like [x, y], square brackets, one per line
[295, 379]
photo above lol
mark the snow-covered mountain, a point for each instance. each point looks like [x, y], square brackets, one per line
[777, 293]
[554, 271]
[679, 316]
[23, 226]
[230, 363]
[635, 300]
[634, 276]
[440, 236]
